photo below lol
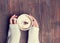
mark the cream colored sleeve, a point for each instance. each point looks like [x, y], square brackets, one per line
[33, 35]
[14, 34]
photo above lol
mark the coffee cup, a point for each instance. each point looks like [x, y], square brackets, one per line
[24, 22]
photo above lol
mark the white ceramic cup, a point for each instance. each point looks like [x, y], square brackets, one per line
[24, 22]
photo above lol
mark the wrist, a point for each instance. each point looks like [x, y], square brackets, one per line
[13, 26]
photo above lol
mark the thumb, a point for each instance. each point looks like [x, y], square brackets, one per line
[15, 20]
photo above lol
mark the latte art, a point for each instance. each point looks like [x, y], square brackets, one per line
[24, 22]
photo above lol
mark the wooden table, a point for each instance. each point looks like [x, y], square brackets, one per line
[47, 13]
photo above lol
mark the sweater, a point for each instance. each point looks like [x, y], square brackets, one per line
[14, 34]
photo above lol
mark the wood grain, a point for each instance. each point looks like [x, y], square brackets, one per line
[47, 13]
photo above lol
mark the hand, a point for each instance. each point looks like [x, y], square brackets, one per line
[13, 19]
[34, 21]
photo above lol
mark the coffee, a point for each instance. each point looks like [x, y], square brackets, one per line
[24, 22]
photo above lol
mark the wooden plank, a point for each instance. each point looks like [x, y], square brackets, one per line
[47, 13]
[3, 20]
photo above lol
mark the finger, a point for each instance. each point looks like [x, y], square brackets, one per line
[34, 21]
[12, 19]
[15, 20]
[14, 16]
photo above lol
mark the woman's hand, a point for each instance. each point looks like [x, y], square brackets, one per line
[13, 19]
[34, 21]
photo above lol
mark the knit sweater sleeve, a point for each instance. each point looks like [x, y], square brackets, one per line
[13, 34]
[33, 35]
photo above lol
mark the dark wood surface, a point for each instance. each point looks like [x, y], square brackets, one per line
[47, 13]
